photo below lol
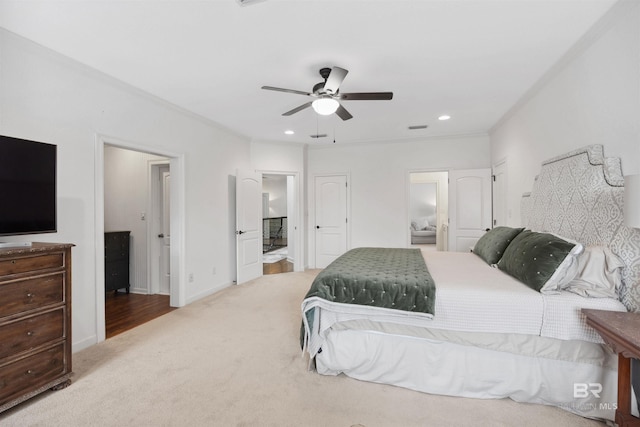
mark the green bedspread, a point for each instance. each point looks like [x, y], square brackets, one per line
[393, 278]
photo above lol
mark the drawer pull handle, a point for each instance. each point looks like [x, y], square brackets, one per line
[30, 333]
[30, 372]
[30, 295]
[13, 261]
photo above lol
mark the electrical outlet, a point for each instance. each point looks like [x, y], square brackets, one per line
[190, 277]
[143, 216]
[214, 271]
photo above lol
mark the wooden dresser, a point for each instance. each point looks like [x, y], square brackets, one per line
[35, 321]
[116, 260]
[621, 330]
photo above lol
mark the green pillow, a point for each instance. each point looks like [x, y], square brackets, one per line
[491, 246]
[540, 260]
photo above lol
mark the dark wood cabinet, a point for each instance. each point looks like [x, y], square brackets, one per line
[621, 330]
[116, 260]
[35, 321]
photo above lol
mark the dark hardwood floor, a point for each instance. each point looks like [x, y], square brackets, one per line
[282, 266]
[126, 311]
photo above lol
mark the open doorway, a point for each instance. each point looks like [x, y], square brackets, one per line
[254, 239]
[428, 210]
[137, 238]
[278, 202]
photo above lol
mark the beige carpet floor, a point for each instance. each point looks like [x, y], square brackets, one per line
[233, 359]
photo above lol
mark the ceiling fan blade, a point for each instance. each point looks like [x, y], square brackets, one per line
[366, 96]
[343, 113]
[300, 108]
[279, 89]
[335, 79]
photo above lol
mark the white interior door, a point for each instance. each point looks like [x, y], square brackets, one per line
[331, 218]
[469, 207]
[165, 231]
[248, 225]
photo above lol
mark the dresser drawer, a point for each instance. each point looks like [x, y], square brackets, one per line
[31, 372]
[31, 264]
[27, 294]
[31, 332]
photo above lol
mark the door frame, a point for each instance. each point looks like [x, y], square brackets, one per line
[500, 214]
[177, 208]
[153, 254]
[312, 217]
[298, 255]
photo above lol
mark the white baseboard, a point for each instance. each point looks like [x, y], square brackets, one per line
[208, 292]
[83, 344]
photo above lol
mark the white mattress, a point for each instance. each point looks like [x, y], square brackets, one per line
[473, 297]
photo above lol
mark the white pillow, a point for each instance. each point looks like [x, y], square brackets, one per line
[566, 271]
[599, 274]
[420, 223]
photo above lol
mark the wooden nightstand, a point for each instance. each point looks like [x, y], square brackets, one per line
[621, 331]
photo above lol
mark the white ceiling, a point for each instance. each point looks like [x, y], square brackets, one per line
[470, 59]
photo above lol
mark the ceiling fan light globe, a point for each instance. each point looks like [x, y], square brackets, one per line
[325, 106]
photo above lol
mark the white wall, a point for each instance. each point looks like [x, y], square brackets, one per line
[269, 156]
[591, 97]
[422, 200]
[276, 187]
[379, 180]
[47, 97]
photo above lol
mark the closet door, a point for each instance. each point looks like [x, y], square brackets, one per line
[469, 207]
[330, 218]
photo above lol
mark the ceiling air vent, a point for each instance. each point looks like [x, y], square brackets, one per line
[320, 135]
[248, 2]
[416, 127]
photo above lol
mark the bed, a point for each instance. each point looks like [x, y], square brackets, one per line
[504, 325]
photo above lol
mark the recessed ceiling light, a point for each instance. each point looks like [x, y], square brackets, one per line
[289, 132]
[444, 117]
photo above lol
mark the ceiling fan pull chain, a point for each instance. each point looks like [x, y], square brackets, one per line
[334, 130]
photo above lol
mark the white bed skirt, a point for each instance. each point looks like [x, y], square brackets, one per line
[447, 368]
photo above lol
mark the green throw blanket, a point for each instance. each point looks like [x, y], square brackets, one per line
[382, 277]
[392, 278]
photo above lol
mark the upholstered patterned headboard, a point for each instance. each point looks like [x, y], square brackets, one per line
[580, 195]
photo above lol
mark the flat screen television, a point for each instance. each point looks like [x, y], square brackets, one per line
[27, 187]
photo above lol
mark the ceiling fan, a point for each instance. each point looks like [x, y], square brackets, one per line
[328, 96]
